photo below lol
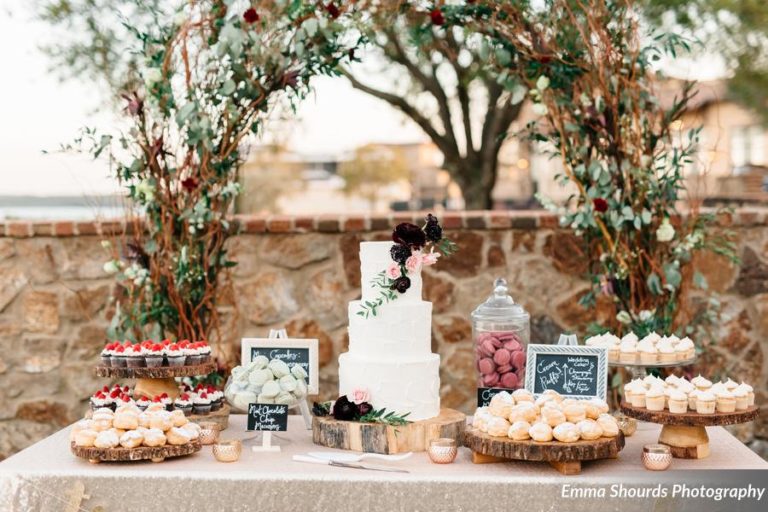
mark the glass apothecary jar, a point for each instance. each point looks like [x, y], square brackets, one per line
[501, 330]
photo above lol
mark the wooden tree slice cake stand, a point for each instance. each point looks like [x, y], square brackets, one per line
[686, 433]
[155, 453]
[387, 439]
[156, 381]
[564, 457]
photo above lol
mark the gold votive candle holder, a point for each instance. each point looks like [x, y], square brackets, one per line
[209, 432]
[442, 450]
[627, 425]
[228, 450]
[656, 457]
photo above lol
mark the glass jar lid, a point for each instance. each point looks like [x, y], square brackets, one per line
[499, 305]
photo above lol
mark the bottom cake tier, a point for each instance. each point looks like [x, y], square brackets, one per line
[409, 386]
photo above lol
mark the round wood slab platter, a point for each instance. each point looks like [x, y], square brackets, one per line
[160, 372]
[155, 453]
[387, 439]
[221, 417]
[552, 451]
[690, 418]
[640, 364]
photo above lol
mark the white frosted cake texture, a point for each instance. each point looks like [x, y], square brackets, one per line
[390, 354]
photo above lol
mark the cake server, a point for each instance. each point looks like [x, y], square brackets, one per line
[313, 460]
[357, 457]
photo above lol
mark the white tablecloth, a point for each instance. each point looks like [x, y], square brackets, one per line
[42, 478]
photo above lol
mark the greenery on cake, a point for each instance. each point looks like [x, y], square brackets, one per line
[355, 407]
[415, 247]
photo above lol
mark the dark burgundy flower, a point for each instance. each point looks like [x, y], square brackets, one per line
[600, 204]
[319, 409]
[290, 79]
[401, 284]
[433, 230]
[436, 15]
[364, 408]
[332, 10]
[351, 54]
[189, 184]
[344, 410]
[251, 16]
[400, 253]
[410, 235]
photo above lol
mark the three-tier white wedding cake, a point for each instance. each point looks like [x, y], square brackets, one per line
[390, 354]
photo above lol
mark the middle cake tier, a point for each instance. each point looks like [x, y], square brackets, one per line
[397, 330]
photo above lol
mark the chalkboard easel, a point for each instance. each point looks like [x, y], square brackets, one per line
[573, 371]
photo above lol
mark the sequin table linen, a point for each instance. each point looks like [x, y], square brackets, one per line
[46, 476]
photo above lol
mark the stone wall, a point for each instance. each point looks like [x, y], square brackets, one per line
[300, 272]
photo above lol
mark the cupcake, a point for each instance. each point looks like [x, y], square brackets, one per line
[631, 337]
[638, 396]
[671, 380]
[677, 402]
[99, 400]
[648, 353]
[666, 352]
[204, 350]
[701, 383]
[705, 403]
[135, 357]
[166, 401]
[681, 352]
[725, 401]
[201, 404]
[730, 385]
[750, 393]
[192, 353]
[175, 355]
[613, 353]
[154, 356]
[119, 357]
[687, 343]
[106, 354]
[654, 399]
[628, 353]
[217, 398]
[184, 404]
[741, 396]
[693, 396]
[142, 403]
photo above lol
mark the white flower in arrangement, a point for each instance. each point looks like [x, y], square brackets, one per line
[665, 232]
[539, 109]
[645, 315]
[179, 18]
[152, 76]
[146, 189]
[112, 267]
[542, 83]
[623, 317]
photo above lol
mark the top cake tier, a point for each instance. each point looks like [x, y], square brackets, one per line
[374, 259]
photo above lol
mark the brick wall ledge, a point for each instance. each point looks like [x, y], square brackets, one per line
[339, 223]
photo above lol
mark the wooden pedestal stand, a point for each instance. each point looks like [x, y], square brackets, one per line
[119, 454]
[564, 457]
[685, 433]
[378, 438]
[152, 382]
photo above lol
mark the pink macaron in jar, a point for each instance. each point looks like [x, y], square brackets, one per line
[501, 330]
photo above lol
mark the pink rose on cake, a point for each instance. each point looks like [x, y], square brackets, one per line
[430, 258]
[413, 263]
[359, 395]
[393, 270]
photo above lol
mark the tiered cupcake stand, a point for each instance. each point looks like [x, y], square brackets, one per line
[564, 457]
[150, 382]
[639, 370]
[156, 381]
[686, 433]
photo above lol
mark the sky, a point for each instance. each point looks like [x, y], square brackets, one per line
[38, 112]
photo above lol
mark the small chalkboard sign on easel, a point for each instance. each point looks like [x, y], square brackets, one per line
[267, 418]
[484, 395]
[573, 371]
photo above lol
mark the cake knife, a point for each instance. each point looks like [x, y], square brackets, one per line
[312, 460]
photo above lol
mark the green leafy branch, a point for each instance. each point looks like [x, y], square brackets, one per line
[385, 418]
[370, 308]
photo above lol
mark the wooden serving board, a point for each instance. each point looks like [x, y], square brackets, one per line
[387, 439]
[685, 433]
[221, 417]
[565, 457]
[161, 372]
[120, 454]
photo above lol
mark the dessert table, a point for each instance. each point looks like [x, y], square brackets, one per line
[46, 476]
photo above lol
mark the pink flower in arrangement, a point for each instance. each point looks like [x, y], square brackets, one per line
[359, 395]
[413, 263]
[393, 270]
[430, 258]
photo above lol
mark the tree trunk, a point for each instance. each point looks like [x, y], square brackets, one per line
[476, 178]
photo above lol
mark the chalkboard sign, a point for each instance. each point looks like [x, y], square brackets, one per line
[484, 395]
[574, 372]
[268, 417]
[290, 350]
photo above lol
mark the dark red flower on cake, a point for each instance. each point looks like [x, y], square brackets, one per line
[433, 230]
[364, 408]
[401, 284]
[600, 204]
[251, 16]
[189, 184]
[400, 253]
[332, 10]
[344, 410]
[436, 15]
[410, 235]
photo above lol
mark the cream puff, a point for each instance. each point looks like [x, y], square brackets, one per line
[575, 413]
[524, 411]
[566, 432]
[126, 421]
[178, 419]
[609, 425]
[518, 431]
[589, 429]
[154, 437]
[540, 432]
[178, 436]
[523, 395]
[85, 437]
[131, 439]
[106, 439]
[501, 404]
[553, 417]
[498, 427]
